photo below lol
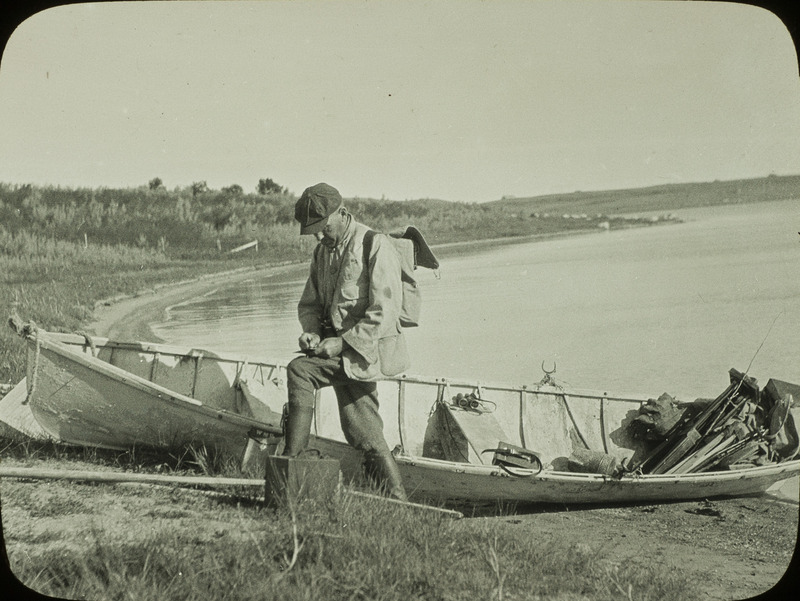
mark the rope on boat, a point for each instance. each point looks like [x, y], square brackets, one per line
[28, 330]
[34, 331]
[89, 342]
[35, 375]
[549, 380]
[574, 422]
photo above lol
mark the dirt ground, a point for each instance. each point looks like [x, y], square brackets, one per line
[736, 548]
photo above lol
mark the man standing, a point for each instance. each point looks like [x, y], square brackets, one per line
[350, 315]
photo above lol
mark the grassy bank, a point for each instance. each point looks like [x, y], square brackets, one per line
[57, 283]
[667, 197]
[133, 541]
[160, 543]
[126, 541]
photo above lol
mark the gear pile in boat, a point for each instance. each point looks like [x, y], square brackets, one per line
[743, 427]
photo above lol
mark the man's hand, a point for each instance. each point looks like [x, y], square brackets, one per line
[308, 341]
[330, 347]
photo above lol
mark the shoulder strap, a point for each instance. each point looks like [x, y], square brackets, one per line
[368, 236]
[317, 250]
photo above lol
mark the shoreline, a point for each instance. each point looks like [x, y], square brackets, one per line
[128, 317]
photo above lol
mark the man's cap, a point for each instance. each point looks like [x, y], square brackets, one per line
[316, 204]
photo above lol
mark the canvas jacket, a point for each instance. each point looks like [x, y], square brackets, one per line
[362, 305]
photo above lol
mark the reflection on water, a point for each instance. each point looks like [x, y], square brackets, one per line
[255, 317]
[662, 309]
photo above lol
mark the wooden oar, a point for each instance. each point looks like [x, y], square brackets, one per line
[125, 477]
[687, 462]
[449, 512]
[736, 452]
[722, 418]
[701, 463]
[686, 444]
[118, 477]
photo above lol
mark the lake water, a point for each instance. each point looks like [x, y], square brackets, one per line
[669, 308]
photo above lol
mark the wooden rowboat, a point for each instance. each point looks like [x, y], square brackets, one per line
[99, 392]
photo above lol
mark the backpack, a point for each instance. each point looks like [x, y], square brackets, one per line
[413, 252]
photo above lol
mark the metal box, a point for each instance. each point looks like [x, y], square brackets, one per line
[295, 478]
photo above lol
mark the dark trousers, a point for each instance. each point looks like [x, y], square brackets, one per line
[358, 401]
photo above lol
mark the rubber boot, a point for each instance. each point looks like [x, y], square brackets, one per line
[297, 430]
[382, 471]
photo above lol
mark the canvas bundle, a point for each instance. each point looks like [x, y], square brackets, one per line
[656, 418]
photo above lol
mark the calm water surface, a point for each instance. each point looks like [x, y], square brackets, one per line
[662, 309]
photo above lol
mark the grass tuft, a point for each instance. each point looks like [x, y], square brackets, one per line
[338, 548]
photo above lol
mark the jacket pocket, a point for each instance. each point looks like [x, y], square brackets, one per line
[352, 303]
[351, 291]
[392, 355]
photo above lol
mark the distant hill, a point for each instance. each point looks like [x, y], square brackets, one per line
[666, 198]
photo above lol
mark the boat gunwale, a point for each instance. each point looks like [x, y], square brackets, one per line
[537, 388]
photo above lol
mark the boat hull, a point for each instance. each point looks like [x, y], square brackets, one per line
[81, 400]
[441, 481]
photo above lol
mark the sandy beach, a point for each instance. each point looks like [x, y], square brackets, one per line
[129, 318]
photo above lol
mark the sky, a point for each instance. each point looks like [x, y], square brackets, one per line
[453, 99]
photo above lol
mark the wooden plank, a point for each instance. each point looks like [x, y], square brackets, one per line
[574, 423]
[703, 462]
[401, 413]
[687, 441]
[603, 429]
[129, 477]
[197, 361]
[154, 366]
[363, 495]
[690, 460]
[734, 453]
[118, 477]
[253, 244]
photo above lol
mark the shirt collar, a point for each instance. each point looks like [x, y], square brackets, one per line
[350, 228]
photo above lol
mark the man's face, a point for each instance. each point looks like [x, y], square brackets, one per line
[333, 231]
